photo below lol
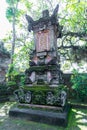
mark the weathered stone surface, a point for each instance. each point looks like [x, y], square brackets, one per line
[4, 61]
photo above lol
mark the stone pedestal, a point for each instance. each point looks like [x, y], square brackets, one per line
[42, 116]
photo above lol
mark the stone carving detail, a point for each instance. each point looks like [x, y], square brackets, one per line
[57, 99]
[28, 97]
[63, 98]
[50, 98]
[19, 95]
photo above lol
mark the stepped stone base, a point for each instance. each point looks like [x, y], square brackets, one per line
[4, 99]
[42, 116]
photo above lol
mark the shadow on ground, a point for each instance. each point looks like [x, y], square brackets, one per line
[77, 121]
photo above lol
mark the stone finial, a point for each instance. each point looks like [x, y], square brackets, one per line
[56, 10]
[30, 22]
[45, 13]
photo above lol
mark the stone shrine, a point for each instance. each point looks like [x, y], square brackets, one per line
[4, 62]
[43, 78]
[42, 98]
[44, 59]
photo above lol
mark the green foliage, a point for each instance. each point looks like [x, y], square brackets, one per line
[10, 2]
[12, 11]
[79, 82]
[74, 11]
[11, 83]
[21, 58]
[3, 89]
[22, 81]
[12, 72]
[9, 12]
[13, 78]
[28, 4]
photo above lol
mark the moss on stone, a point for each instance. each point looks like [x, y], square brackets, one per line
[42, 68]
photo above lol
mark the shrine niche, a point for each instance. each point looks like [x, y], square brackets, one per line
[42, 39]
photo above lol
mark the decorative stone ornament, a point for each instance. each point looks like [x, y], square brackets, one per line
[28, 97]
[50, 98]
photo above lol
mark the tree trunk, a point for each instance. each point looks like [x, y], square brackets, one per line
[13, 37]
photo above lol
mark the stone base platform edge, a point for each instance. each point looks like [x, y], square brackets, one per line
[42, 116]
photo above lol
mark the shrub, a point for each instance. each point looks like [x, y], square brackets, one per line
[3, 90]
[79, 82]
[11, 83]
[22, 81]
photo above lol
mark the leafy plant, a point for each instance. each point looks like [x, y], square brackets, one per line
[12, 72]
[22, 81]
[11, 83]
[79, 82]
[3, 90]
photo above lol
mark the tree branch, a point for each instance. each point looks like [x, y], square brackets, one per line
[75, 34]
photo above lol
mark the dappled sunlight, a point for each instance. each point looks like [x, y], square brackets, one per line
[80, 118]
[82, 121]
[82, 127]
[80, 113]
[4, 109]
